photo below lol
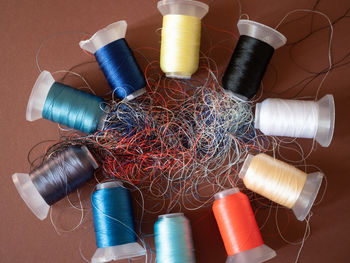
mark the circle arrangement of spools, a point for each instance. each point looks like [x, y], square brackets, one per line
[111, 202]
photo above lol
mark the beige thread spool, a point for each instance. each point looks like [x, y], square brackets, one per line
[281, 183]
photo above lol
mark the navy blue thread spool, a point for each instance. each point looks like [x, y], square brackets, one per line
[62, 104]
[114, 224]
[55, 179]
[250, 58]
[116, 60]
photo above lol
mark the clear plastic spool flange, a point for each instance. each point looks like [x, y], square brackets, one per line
[104, 36]
[261, 32]
[183, 7]
[125, 251]
[38, 96]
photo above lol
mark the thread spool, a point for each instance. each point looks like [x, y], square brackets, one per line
[297, 118]
[55, 179]
[114, 223]
[282, 183]
[181, 32]
[238, 228]
[173, 239]
[116, 60]
[65, 105]
[250, 58]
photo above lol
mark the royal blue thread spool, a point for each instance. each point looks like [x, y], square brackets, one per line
[114, 223]
[116, 60]
[55, 179]
[173, 239]
[65, 105]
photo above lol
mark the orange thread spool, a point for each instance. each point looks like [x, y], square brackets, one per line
[238, 228]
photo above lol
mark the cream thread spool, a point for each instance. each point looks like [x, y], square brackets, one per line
[179, 55]
[297, 118]
[281, 183]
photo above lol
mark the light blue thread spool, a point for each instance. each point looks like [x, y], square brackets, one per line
[64, 105]
[114, 226]
[173, 239]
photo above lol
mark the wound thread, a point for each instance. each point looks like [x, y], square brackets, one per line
[173, 239]
[73, 108]
[273, 179]
[293, 118]
[179, 53]
[63, 174]
[247, 66]
[120, 68]
[236, 222]
[113, 217]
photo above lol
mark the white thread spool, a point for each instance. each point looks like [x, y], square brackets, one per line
[297, 118]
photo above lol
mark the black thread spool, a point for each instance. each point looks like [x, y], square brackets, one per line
[55, 179]
[250, 58]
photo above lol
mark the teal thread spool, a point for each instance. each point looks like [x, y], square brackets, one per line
[65, 105]
[173, 239]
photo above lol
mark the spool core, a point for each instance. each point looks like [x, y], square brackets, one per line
[307, 196]
[130, 250]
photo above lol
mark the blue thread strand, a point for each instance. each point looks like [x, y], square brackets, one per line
[73, 108]
[173, 240]
[110, 207]
[120, 68]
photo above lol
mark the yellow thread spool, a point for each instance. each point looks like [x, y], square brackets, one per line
[179, 53]
[181, 32]
[281, 183]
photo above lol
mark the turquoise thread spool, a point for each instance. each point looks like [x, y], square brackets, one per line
[173, 239]
[64, 105]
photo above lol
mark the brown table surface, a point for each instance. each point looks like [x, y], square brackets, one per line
[25, 24]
